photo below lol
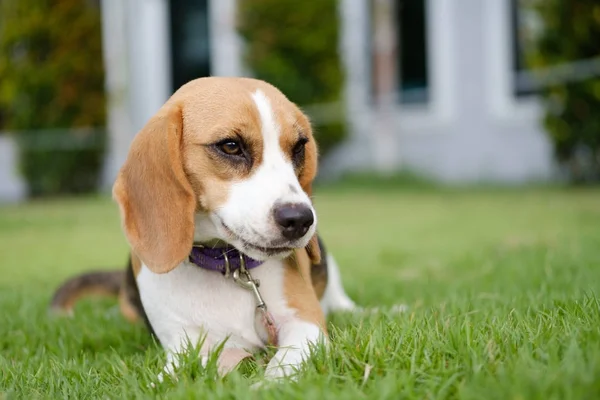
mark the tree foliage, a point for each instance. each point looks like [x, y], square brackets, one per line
[52, 80]
[294, 46]
[572, 119]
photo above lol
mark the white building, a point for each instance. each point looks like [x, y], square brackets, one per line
[454, 111]
[458, 116]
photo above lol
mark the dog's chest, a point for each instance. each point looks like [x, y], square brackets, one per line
[193, 301]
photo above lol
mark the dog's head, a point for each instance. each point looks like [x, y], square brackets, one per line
[234, 151]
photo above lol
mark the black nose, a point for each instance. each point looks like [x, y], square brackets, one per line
[293, 219]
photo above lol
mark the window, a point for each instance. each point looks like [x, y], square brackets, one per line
[524, 26]
[410, 66]
[190, 45]
[412, 38]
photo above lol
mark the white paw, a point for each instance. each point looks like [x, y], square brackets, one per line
[160, 379]
[275, 375]
[169, 369]
[279, 372]
[285, 364]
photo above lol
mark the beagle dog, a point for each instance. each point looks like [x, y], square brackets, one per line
[215, 202]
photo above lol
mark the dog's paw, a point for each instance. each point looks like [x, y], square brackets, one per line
[280, 372]
[230, 358]
[159, 379]
[283, 366]
[169, 370]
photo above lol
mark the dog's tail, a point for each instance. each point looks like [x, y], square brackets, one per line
[98, 283]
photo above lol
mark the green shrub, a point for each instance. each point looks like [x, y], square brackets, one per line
[572, 116]
[294, 46]
[51, 83]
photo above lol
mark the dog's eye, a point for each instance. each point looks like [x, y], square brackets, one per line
[299, 147]
[298, 152]
[231, 148]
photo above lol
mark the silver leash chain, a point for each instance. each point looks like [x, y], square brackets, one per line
[244, 279]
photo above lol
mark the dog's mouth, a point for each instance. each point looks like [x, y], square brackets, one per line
[255, 250]
[270, 251]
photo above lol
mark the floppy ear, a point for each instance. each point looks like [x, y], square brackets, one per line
[314, 250]
[309, 171]
[308, 175]
[156, 199]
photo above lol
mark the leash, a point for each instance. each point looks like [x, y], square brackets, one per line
[214, 259]
[244, 279]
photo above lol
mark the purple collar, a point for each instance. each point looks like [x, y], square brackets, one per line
[216, 259]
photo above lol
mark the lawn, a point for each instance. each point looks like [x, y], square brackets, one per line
[502, 286]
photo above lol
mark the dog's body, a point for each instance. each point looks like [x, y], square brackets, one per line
[226, 162]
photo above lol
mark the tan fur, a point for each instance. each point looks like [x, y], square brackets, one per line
[156, 199]
[99, 283]
[290, 132]
[319, 280]
[96, 291]
[313, 250]
[172, 172]
[158, 195]
[127, 309]
[299, 290]
[136, 264]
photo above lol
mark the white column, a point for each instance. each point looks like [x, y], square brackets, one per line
[441, 16]
[225, 43]
[150, 58]
[355, 53]
[118, 121]
[137, 59]
[386, 51]
[13, 187]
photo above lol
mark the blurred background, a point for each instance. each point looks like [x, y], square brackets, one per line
[457, 91]
[422, 108]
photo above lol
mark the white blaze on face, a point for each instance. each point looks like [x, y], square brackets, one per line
[248, 212]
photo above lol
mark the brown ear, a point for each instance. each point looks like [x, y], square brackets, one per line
[156, 199]
[314, 250]
[308, 175]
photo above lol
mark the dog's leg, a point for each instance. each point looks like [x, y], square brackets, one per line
[228, 359]
[302, 326]
[176, 343]
[335, 298]
[179, 341]
[295, 341]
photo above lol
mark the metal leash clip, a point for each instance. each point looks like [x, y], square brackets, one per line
[227, 265]
[243, 278]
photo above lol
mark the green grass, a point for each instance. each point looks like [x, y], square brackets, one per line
[503, 288]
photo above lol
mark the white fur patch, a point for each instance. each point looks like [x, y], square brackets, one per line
[248, 211]
[295, 341]
[269, 128]
[335, 297]
[189, 304]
